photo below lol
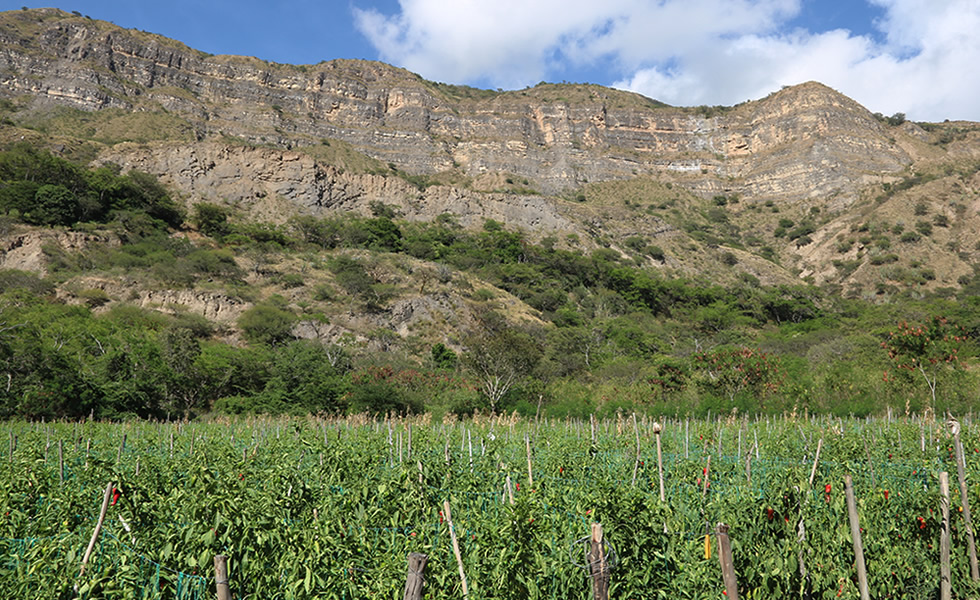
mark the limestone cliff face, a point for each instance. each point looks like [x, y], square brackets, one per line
[271, 185]
[802, 144]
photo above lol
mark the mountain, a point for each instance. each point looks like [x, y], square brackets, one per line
[802, 187]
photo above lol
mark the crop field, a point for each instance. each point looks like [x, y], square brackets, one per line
[331, 508]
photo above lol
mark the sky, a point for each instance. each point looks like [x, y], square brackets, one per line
[917, 57]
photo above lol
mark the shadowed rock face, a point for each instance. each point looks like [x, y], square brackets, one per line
[798, 145]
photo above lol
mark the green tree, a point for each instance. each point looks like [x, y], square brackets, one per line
[932, 349]
[267, 324]
[733, 370]
[499, 360]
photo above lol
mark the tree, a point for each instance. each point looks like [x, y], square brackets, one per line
[267, 324]
[931, 349]
[500, 360]
[732, 371]
[212, 219]
[183, 382]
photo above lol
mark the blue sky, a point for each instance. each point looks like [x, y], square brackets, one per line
[911, 56]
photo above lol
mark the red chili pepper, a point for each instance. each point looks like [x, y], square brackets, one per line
[886, 494]
[769, 513]
[115, 495]
[826, 488]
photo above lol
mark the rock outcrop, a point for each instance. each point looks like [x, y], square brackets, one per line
[802, 144]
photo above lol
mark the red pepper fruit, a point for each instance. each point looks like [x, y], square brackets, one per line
[116, 493]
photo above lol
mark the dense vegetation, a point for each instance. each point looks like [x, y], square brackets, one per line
[612, 333]
[310, 508]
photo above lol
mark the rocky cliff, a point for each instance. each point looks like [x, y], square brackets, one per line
[779, 188]
[801, 144]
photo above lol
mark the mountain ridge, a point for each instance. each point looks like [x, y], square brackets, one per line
[541, 159]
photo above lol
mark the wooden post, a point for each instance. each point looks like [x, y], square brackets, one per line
[598, 567]
[965, 499]
[527, 444]
[459, 558]
[852, 516]
[727, 565]
[221, 577]
[98, 528]
[636, 461]
[816, 460]
[61, 463]
[122, 448]
[415, 579]
[660, 461]
[704, 483]
[945, 579]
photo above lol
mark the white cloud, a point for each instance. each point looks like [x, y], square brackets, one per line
[690, 52]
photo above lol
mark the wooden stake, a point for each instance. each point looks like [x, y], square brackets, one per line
[965, 499]
[459, 558]
[598, 567]
[98, 528]
[660, 461]
[852, 517]
[704, 483]
[122, 448]
[61, 463]
[510, 489]
[945, 580]
[727, 565]
[816, 460]
[415, 579]
[527, 444]
[221, 577]
[636, 461]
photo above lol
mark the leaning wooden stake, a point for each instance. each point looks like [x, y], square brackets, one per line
[415, 579]
[598, 566]
[852, 516]
[727, 565]
[945, 579]
[954, 426]
[816, 461]
[459, 558]
[98, 528]
[221, 577]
